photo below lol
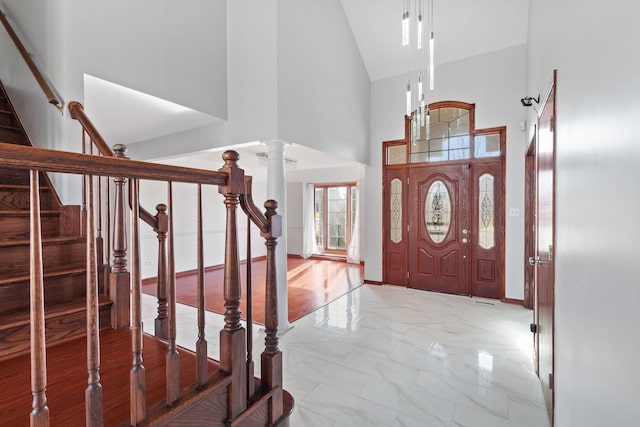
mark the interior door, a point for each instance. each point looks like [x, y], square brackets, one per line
[439, 228]
[544, 260]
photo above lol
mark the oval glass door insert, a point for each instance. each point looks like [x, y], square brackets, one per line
[437, 211]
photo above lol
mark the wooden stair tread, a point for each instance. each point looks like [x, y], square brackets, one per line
[11, 128]
[10, 320]
[48, 273]
[45, 241]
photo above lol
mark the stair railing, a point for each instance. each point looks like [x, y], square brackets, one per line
[236, 190]
[48, 91]
[118, 279]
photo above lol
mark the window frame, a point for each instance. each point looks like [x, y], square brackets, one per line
[350, 186]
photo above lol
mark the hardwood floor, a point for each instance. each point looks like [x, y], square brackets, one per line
[312, 283]
[67, 380]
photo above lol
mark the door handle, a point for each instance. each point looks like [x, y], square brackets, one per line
[465, 240]
[534, 260]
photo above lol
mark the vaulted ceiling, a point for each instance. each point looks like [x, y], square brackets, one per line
[462, 28]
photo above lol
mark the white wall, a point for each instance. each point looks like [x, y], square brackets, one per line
[185, 221]
[495, 82]
[170, 49]
[593, 46]
[323, 96]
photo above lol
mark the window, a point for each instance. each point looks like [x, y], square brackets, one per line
[334, 214]
[449, 135]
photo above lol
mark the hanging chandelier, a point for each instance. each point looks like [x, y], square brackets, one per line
[418, 53]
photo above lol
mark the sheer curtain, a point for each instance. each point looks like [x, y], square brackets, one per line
[353, 252]
[308, 223]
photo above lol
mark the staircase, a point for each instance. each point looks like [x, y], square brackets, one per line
[64, 255]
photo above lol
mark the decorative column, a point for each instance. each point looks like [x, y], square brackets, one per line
[276, 190]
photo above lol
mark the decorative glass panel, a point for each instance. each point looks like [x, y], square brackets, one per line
[397, 155]
[395, 228]
[486, 229]
[437, 211]
[449, 137]
[487, 145]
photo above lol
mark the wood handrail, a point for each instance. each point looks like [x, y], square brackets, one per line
[250, 209]
[23, 157]
[76, 110]
[48, 92]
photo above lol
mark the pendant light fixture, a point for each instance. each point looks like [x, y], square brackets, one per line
[421, 56]
[405, 23]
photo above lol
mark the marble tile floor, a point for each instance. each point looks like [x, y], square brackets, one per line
[394, 357]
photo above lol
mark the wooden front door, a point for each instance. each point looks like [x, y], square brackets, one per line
[439, 228]
[455, 229]
[545, 254]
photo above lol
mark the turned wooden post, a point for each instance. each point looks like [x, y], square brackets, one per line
[202, 375]
[232, 337]
[162, 226]
[93, 392]
[120, 278]
[251, 389]
[137, 374]
[173, 357]
[271, 358]
[40, 412]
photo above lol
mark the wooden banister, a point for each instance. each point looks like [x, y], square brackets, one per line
[22, 157]
[236, 363]
[250, 208]
[76, 110]
[42, 82]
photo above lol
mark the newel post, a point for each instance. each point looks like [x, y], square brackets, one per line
[232, 337]
[271, 358]
[119, 278]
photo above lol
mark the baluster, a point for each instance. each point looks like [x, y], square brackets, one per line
[162, 226]
[201, 345]
[100, 240]
[232, 337]
[173, 358]
[40, 413]
[137, 376]
[119, 279]
[93, 393]
[271, 360]
[107, 270]
[250, 365]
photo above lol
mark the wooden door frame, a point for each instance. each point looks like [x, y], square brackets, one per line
[530, 195]
[551, 94]
[473, 132]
